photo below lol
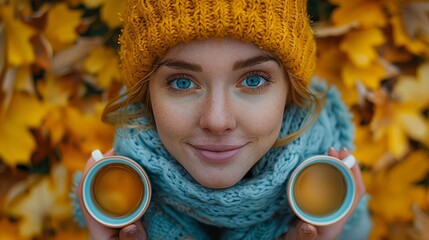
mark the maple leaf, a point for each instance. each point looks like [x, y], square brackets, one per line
[369, 150]
[414, 89]
[104, 63]
[360, 45]
[367, 13]
[17, 143]
[62, 25]
[110, 12]
[415, 17]
[93, 3]
[19, 49]
[396, 121]
[43, 197]
[394, 191]
[9, 231]
[87, 131]
[370, 76]
[409, 28]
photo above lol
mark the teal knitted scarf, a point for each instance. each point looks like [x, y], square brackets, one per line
[254, 208]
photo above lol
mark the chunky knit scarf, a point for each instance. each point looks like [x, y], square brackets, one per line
[256, 207]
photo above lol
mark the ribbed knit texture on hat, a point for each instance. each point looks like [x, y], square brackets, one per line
[151, 27]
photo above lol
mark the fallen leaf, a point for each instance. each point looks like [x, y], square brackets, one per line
[44, 197]
[103, 62]
[417, 46]
[17, 142]
[111, 11]
[414, 89]
[62, 25]
[19, 49]
[371, 76]
[360, 46]
[394, 191]
[367, 13]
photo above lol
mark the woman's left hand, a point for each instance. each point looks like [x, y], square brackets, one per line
[306, 231]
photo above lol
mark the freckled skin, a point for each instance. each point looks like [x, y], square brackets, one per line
[218, 109]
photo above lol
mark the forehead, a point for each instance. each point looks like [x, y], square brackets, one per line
[215, 49]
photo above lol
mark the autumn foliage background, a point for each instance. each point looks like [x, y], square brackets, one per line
[59, 66]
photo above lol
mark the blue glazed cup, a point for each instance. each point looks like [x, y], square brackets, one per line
[93, 206]
[317, 184]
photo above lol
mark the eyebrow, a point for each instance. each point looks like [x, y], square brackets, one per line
[255, 61]
[179, 64]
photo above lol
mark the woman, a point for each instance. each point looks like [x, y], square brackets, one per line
[218, 110]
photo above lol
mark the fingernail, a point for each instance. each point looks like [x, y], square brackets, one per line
[131, 231]
[332, 149]
[344, 149]
[305, 228]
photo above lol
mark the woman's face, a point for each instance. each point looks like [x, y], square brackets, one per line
[218, 107]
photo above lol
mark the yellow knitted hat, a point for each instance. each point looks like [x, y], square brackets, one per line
[151, 27]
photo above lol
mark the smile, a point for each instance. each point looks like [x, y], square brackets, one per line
[216, 153]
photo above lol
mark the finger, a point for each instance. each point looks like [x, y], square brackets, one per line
[359, 180]
[334, 153]
[302, 231]
[343, 153]
[91, 160]
[306, 231]
[128, 233]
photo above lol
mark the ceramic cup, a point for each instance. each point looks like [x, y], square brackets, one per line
[322, 190]
[116, 191]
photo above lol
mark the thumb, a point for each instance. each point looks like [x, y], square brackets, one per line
[128, 233]
[305, 231]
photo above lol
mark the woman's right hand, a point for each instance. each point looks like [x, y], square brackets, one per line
[98, 231]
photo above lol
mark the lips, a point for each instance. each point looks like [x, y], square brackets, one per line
[217, 153]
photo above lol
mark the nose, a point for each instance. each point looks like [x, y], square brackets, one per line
[218, 116]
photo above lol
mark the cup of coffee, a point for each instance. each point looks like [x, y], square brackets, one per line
[322, 190]
[116, 191]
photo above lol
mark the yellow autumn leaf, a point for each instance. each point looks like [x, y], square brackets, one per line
[61, 25]
[360, 46]
[18, 46]
[55, 91]
[9, 231]
[394, 191]
[417, 46]
[93, 3]
[81, 234]
[54, 123]
[104, 63]
[45, 197]
[87, 131]
[17, 143]
[368, 149]
[397, 122]
[111, 11]
[72, 157]
[369, 76]
[414, 89]
[367, 13]
[379, 229]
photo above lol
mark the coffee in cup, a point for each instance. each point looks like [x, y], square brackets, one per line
[322, 189]
[116, 190]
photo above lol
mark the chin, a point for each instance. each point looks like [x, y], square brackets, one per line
[217, 182]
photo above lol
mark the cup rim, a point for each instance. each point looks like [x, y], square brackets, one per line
[319, 221]
[113, 221]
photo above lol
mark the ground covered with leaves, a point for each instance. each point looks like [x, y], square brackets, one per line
[59, 66]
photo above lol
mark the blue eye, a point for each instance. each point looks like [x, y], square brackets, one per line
[182, 83]
[253, 81]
